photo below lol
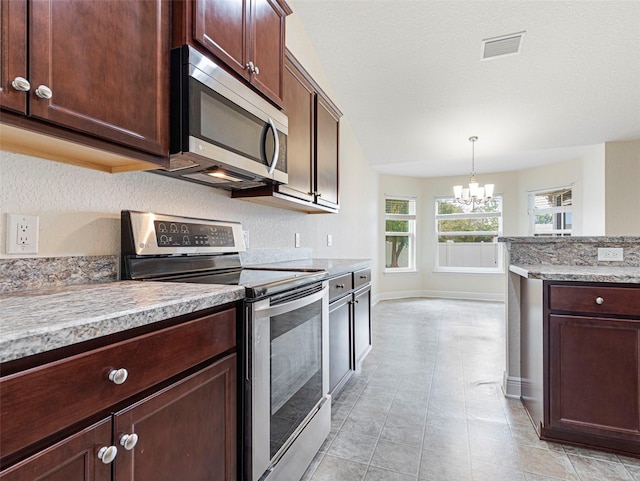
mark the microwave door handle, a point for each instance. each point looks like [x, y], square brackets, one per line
[276, 147]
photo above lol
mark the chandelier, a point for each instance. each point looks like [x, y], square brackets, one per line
[474, 194]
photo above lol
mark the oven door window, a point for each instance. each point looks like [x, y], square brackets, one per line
[296, 370]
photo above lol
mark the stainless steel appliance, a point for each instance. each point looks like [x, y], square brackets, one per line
[284, 328]
[223, 134]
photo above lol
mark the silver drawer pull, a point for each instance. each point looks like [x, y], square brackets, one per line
[339, 286]
[363, 277]
[599, 300]
[107, 454]
[118, 376]
[129, 441]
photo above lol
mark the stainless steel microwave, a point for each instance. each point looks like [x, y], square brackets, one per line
[223, 134]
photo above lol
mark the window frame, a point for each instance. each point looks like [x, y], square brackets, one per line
[499, 269]
[411, 234]
[554, 211]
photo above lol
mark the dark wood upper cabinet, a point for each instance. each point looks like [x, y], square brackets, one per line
[95, 73]
[247, 35]
[312, 148]
[327, 130]
[106, 66]
[299, 98]
[13, 55]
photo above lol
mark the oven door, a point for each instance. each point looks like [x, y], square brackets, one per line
[289, 379]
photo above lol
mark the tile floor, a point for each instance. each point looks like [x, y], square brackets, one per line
[428, 405]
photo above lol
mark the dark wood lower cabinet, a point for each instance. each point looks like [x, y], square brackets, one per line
[73, 459]
[349, 325]
[594, 372]
[592, 365]
[340, 352]
[187, 430]
[179, 398]
[362, 323]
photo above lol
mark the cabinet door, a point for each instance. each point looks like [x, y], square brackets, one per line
[73, 459]
[299, 104]
[267, 47]
[186, 431]
[13, 53]
[222, 27]
[594, 373]
[362, 323]
[339, 342]
[107, 66]
[326, 154]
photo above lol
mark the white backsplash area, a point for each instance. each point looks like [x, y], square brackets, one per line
[79, 209]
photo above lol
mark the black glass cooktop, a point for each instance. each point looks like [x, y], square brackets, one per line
[257, 282]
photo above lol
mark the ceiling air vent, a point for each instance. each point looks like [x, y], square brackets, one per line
[503, 45]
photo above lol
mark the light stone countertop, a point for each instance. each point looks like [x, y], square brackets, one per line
[547, 272]
[35, 321]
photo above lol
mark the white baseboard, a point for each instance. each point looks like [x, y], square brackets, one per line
[471, 296]
[511, 387]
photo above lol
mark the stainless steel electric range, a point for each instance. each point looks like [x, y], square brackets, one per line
[283, 350]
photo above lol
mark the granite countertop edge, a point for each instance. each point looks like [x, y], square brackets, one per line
[41, 320]
[569, 240]
[29, 325]
[549, 272]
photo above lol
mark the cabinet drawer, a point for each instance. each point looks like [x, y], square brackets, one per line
[594, 299]
[58, 394]
[339, 286]
[361, 277]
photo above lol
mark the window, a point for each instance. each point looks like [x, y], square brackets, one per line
[467, 237]
[550, 212]
[400, 228]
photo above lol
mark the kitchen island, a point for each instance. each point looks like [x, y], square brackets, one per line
[574, 332]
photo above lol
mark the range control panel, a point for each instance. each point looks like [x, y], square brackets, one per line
[146, 233]
[171, 234]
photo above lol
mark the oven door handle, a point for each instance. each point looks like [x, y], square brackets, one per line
[270, 311]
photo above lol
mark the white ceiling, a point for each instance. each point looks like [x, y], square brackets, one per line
[408, 76]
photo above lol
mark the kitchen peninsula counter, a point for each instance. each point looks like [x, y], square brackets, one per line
[40, 320]
[549, 272]
[573, 327]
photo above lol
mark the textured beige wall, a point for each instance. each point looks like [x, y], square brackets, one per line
[622, 177]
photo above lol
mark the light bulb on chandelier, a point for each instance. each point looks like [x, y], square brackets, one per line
[474, 194]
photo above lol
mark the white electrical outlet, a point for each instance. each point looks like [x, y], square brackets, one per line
[613, 254]
[297, 239]
[329, 240]
[22, 234]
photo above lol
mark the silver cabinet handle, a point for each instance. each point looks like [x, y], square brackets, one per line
[256, 70]
[250, 67]
[363, 277]
[276, 147]
[44, 92]
[339, 286]
[129, 441]
[118, 376]
[107, 454]
[599, 300]
[21, 84]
